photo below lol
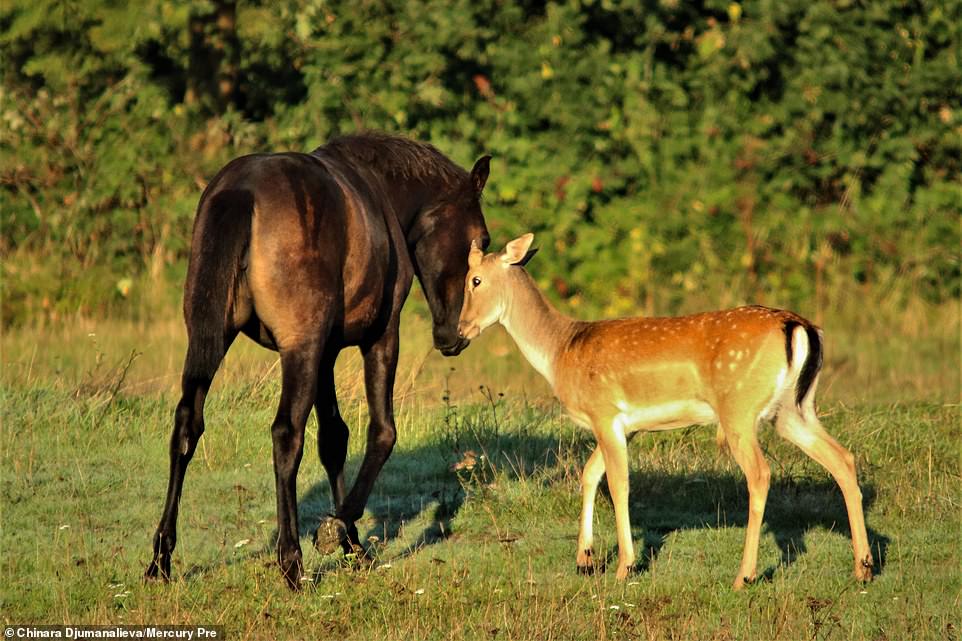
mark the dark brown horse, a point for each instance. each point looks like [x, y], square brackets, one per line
[308, 254]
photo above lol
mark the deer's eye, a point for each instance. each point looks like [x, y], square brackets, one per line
[475, 281]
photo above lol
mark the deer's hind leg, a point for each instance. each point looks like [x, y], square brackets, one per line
[740, 434]
[803, 428]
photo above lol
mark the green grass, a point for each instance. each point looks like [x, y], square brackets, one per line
[486, 552]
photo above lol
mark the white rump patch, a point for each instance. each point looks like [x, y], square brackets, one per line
[788, 376]
[782, 387]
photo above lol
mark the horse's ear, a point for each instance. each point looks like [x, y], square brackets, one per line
[479, 174]
[516, 252]
[475, 255]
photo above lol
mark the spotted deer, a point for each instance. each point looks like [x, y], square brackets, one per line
[617, 377]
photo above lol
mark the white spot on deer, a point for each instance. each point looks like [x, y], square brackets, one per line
[732, 366]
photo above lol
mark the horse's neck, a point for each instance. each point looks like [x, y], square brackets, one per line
[413, 199]
[407, 198]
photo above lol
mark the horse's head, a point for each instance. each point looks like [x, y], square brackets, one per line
[443, 240]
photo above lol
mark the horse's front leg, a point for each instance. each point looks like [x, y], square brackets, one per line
[380, 363]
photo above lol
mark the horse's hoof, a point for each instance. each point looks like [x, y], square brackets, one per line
[293, 573]
[331, 534]
[359, 558]
[155, 571]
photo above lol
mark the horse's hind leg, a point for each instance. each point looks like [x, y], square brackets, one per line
[332, 439]
[332, 433]
[299, 370]
[199, 370]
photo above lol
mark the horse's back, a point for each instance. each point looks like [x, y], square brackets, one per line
[318, 245]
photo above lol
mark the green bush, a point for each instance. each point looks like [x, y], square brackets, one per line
[783, 152]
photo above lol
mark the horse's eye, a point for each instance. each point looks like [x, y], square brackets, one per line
[475, 281]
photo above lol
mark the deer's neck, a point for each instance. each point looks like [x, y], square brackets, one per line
[540, 330]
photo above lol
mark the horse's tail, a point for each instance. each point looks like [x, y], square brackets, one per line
[221, 238]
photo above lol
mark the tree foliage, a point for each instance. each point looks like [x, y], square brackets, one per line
[767, 151]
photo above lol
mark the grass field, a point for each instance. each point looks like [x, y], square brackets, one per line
[485, 551]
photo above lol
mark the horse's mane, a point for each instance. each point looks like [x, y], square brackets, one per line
[394, 155]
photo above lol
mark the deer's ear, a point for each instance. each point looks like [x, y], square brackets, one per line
[516, 252]
[528, 255]
[475, 255]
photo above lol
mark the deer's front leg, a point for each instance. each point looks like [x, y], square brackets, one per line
[614, 448]
[590, 477]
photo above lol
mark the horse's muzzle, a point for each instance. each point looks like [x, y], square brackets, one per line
[454, 348]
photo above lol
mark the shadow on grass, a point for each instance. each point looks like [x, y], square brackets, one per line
[417, 485]
[418, 488]
[666, 503]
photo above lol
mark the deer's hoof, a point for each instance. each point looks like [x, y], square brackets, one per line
[863, 569]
